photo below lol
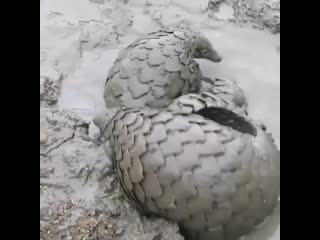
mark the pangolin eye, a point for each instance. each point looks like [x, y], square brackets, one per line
[204, 51]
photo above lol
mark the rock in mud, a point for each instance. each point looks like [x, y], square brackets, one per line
[261, 14]
[50, 86]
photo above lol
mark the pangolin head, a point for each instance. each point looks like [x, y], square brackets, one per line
[204, 49]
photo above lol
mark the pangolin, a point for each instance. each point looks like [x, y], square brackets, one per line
[184, 150]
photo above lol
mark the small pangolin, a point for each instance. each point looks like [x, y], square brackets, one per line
[158, 68]
[183, 149]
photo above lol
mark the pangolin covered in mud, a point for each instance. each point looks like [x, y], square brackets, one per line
[157, 68]
[184, 150]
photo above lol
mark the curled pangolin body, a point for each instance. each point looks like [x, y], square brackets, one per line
[194, 158]
[156, 69]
